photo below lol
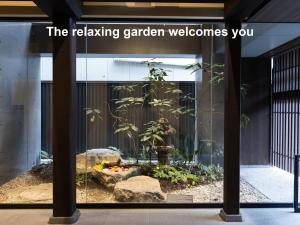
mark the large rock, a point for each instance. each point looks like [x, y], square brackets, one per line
[87, 160]
[139, 189]
[43, 171]
[109, 178]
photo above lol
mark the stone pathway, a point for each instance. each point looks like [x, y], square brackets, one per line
[273, 182]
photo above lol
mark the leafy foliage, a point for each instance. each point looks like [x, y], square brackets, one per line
[174, 176]
[217, 78]
[216, 69]
[46, 155]
[157, 133]
[245, 120]
[113, 148]
[83, 178]
[244, 90]
[209, 173]
[161, 102]
[185, 175]
[126, 102]
[93, 114]
[183, 159]
[125, 88]
[128, 129]
[181, 111]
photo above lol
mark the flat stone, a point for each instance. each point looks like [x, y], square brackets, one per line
[86, 161]
[139, 189]
[41, 192]
[109, 178]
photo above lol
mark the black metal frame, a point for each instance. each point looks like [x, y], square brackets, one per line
[296, 184]
[148, 205]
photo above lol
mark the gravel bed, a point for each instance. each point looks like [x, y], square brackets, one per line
[93, 193]
[214, 193]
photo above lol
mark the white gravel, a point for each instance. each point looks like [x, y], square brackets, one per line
[214, 193]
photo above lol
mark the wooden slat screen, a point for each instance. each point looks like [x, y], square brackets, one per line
[285, 135]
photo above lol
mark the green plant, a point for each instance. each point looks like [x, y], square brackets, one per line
[216, 69]
[131, 131]
[127, 128]
[122, 124]
[158, 84]
[176, 157]
[126, 102]
[82, 178]
[125, 88]
[157, 131]
[175, 176]
[46, 155]
[113, 148]
[209, 173]
[217, 78]
[157, 137]
[245, 120]
[93, 114]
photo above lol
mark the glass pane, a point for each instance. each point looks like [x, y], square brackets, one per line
[153, 126]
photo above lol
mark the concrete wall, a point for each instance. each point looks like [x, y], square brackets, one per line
[255, 139]
[19, 101]
[210, 108]
[99, 67]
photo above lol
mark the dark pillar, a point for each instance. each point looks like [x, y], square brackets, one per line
[64, 86]
[231, 210]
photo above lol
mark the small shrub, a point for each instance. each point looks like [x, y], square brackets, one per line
[209, 173]
[80, 179]
[175, 176]
[45, 155]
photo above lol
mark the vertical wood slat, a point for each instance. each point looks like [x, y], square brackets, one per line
[97, 95]
[285, 105]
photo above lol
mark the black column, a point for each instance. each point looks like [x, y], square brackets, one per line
[64, 91]
[231, 211]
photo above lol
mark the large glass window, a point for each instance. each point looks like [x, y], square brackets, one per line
[149, 114]
[151, 124]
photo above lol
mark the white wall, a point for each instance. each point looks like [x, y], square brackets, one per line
[121, 69]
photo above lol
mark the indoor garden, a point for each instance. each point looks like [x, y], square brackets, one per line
[150, 127]
[147, 139]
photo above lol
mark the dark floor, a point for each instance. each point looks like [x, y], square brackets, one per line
[153, 217]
